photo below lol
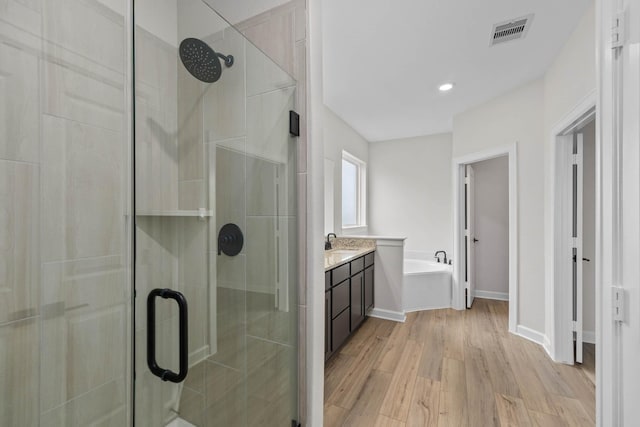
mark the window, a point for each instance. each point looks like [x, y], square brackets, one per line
[354, 174]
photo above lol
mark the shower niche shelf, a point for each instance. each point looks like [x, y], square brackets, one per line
[199, 213]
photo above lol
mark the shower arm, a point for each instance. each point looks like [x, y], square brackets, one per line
[228, 59]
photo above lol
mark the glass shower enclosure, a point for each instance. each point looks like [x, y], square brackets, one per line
[215, 270]
[147, 219]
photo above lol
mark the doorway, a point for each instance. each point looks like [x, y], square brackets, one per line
[487, 234]
[575, 235]
[465, 229]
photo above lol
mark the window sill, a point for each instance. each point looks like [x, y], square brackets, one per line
[354, 227]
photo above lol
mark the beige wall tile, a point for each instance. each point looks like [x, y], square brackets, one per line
[230, 189]
[224, 101]
[262, 183]
[262, 254]
[268, 124]
[86, 28]
[69, 93]
[104, 406]
[78, 353]
[19, 373]
[79, 221]
[275, 36]
[18, 241]
[19, 109]
[26, 15]
[192, 195]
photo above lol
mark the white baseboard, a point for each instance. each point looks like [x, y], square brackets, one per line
[427, 307]
[547, 347]
[532, 335]
[396, 316]
[589, 337]
[500, 296]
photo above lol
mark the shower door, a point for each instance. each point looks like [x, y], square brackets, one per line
[216, 257]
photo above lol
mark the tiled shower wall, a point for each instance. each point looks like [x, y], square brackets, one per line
[63, 226]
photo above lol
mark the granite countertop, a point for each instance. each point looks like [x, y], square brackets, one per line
[336, 257]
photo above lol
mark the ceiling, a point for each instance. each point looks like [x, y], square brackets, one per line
[384, 60]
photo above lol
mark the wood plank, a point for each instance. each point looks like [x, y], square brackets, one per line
[367, 406]
[424, 404]
[572, 412]
[395, 345]
[334, 416]
[583, 389]
[533, 392]
[383, 421]
[349, 389]
[540, 419]
[419, 330]
[398, 398]
[512, 411]
[452, 409]
[481, 402]
[334, 372]
[500, 369]
[359, 340]
[432, 355]
[454, 335]
[547, 370]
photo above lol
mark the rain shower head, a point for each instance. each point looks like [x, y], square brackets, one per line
[201, 61]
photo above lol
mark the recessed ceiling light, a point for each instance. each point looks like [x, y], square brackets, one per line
[446, 87]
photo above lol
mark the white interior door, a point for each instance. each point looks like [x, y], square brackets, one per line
[577, 232]
[470, 237]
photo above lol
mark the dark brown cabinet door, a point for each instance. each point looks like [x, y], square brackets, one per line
[340, 329]
[339, 298]
[327, 325]
[368, 288]
[357, 301]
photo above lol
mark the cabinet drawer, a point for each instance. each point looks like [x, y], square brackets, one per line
[357, 265]
[327, 280]
[340, 328]
[368, 259]
[340, 274]
[339, 298]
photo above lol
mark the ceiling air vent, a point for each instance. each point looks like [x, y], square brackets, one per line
[511, 30]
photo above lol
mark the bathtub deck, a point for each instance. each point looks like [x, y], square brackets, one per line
[447, 367]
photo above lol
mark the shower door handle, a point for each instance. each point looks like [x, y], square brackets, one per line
[166, 374]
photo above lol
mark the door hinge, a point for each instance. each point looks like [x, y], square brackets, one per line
[618, 31]
[574, 326]
[467, 180]
[618, 304]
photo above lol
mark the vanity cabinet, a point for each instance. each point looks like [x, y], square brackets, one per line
[349, 293]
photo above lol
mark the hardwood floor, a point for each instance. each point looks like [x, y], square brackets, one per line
[454, 368]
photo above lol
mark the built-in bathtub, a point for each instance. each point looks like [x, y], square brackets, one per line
[426, 285]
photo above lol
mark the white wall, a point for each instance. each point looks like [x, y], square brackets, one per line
[340, 136]
[516, 117]
[589, 232]
[410, 192]
[492, 225]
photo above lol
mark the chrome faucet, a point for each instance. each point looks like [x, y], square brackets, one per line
[441, 252]
[327, 244]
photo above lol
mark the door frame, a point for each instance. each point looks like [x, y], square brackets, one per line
[559, 298]
[459, 163]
